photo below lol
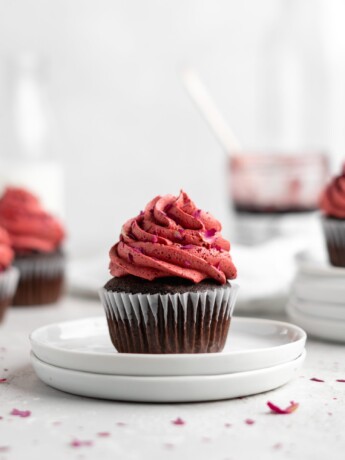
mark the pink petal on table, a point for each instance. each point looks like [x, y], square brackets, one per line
[315, 379]
[178, 421]
[340, 380]
[80, 443]
[103, 434]
[3, 380]
[249, 421]
[21, 413]
[278, 410]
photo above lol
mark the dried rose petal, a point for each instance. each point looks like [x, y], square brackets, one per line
[188, 246]
[121, 424]
[79, 443]
[3, 380]
[341, 380]
[206, 439]
[21, 413]
[315, 379]
[186, 263]
[277, 446]
[169, 445]
[178, 421]
[249, 421]
[178, 235]
[210, 233]
[278, 410]
[197, 213]
[103, 434]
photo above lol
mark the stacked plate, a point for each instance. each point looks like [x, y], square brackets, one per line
[317, 301]
[78, 357]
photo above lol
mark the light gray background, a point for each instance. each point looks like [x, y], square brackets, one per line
[127, 130]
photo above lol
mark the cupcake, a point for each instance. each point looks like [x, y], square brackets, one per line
[332, 205]
[8, 275]
[36, 239]
[170, 291]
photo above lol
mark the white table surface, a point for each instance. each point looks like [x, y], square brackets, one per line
[145, 431]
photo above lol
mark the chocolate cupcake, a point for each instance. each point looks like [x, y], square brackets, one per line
[332, 205]
[170, 291]
[36, 238]
[8, 275]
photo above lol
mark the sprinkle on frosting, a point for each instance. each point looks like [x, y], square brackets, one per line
[172, 237]
[29, 226]
[332, 201]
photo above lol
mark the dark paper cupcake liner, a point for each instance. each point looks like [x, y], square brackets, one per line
[41, 280]
[8, 285]
[169, 323]
[334, 230]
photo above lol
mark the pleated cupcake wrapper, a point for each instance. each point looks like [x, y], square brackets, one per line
[334, 231]
[49, 267]
[169, 323]
[8, 283]
[133, 307]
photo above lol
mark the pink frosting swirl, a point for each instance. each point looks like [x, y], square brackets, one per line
[172, 238]
[6, 252]
[332, 201]
[29, 226]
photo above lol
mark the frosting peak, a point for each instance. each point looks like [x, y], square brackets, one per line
[6, 253]
[172, 237]
[29, 226]
[332, 201]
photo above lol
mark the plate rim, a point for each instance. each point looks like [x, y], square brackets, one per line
[185, 356]
[174, 378]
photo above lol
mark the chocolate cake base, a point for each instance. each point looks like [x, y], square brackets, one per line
[167, 315]
[336, 255]
[38, 291]
[41, 279]
[334, 230]
[4, 303]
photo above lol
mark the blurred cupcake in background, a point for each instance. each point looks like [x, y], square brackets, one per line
[36, 238]
[8, 275]
[170, 291]
[332, 205]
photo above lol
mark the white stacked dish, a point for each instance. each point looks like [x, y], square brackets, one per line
[78, 357]
[317, 301]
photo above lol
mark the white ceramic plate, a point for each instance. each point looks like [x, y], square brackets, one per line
[85, 345]
[323, 310]
[327, 329]
[167, 389]
[314, 289]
